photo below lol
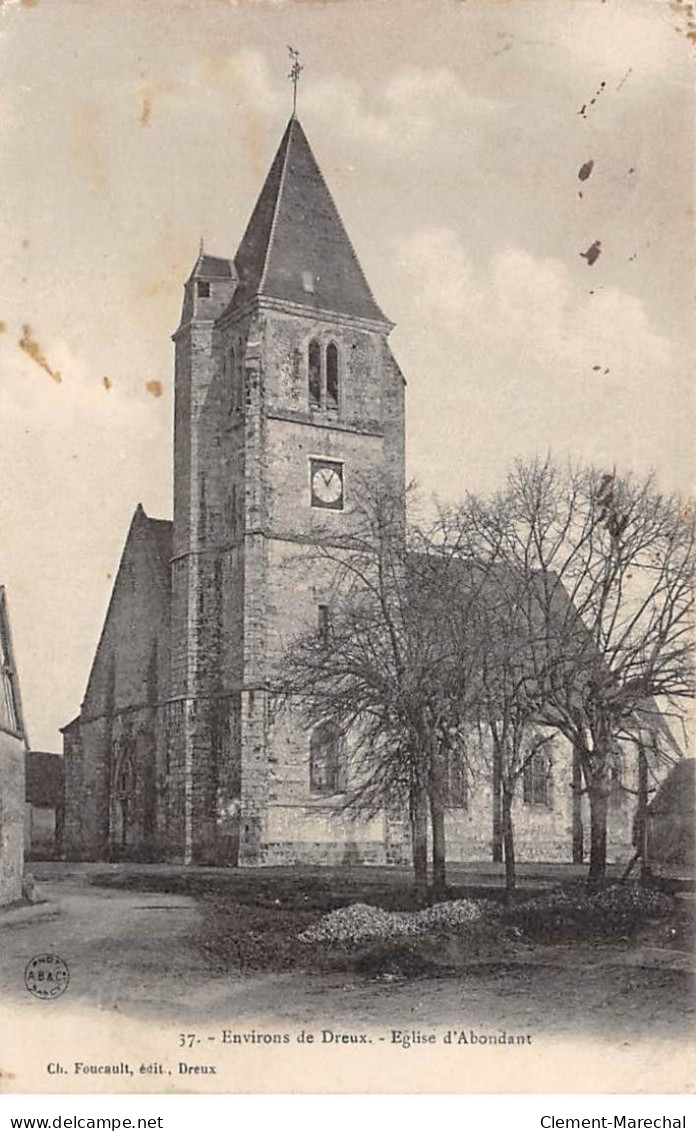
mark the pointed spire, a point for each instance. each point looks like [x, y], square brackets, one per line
[295, 247]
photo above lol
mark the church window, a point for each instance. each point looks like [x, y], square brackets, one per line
[125, 777]
[203, 289]
[327, 768]
[9, 715]
[124, 790]
[456, 785]
[314, 360]
[537, 780]
[331, 376]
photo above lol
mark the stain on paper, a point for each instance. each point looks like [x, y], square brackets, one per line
[88, 147]
[586, 105]
[154, 388]
[593, 253]
[28, 343]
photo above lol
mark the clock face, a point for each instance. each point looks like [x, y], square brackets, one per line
[327, 484]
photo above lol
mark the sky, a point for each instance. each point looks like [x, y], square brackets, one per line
[452, 134]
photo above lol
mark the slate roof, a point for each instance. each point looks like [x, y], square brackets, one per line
[162, 531]
[295, 247]
[676, 794]
[584, 660]
[212, 267]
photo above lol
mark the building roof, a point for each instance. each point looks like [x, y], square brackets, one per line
[295, 247]
[563, 644]
[44, 779]
[676, 793]
[162, 531]
[212, 267]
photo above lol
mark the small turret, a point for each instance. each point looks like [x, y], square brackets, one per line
[209, 288]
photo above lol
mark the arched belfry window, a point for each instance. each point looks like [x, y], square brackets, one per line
[323, 372]
[331, 375]
[314, 367]
[327, 763]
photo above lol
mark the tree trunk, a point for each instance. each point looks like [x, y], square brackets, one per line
[508, 843]
[437, 818]
[419, 841]
[578, 837]
[642, 816]
[497, 805]
[599, 807]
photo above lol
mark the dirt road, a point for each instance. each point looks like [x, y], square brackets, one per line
[138, 953]
[123, 949]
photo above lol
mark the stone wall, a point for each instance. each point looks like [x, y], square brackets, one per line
[283, 582]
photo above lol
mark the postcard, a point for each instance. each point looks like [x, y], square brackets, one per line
[347, 546]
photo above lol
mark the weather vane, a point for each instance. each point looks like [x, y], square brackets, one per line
[294, 75]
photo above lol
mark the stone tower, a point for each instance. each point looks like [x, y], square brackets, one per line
[286, 389]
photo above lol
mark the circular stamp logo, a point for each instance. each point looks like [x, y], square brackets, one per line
[46, 976]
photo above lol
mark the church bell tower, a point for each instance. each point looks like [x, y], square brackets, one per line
[286, 391]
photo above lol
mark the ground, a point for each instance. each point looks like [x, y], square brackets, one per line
[164, 943]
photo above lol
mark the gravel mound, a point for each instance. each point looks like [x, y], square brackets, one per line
[361, 923]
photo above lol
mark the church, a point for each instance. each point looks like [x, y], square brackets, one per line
[285, 388]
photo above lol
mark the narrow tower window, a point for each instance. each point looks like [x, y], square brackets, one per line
[203, 289]
[314, 365]
[331, 376]
[327, 767]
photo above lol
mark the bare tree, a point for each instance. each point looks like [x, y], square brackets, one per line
[387, 670]
[506, 715]
[607, 605]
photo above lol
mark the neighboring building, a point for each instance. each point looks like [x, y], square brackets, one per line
[672, 821]
[13, 743]
[285, 390]
[43, 827]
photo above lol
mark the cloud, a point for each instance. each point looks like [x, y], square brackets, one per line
[416, 110]
[531, 303]
[522, 360]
